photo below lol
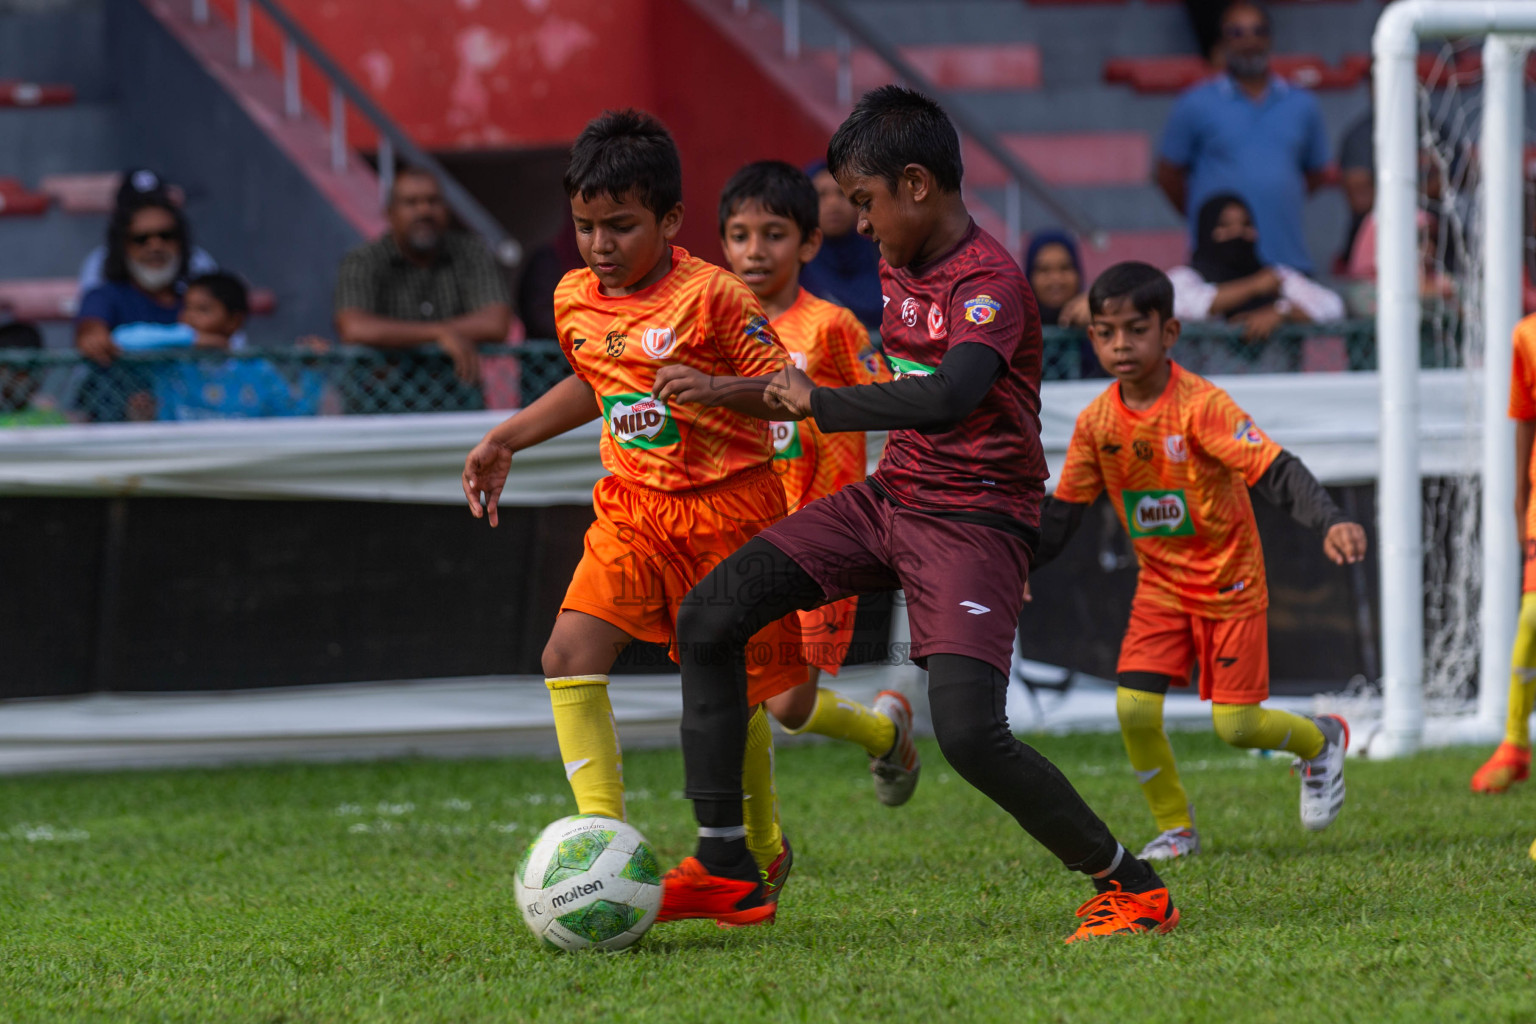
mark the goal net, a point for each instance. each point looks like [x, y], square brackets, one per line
[1450, 235]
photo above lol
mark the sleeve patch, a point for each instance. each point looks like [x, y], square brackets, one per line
[982, 310]
[1247, 432]
[757, 329]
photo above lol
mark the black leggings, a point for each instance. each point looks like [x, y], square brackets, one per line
[759, 584]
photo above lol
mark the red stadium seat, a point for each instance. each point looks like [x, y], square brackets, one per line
[1174, 74]
[1162, 249]
[54, 298]
[31, 94]
[965, 66]
[40, 299]
[82, 193]
[1082, 159]
[17, 201]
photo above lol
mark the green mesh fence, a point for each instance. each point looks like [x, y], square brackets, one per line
[55, 387]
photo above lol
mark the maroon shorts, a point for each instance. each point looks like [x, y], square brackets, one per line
[964, 582]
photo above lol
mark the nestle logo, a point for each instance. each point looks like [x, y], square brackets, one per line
[575, 892]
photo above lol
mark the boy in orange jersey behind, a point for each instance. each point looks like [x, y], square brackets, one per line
[768, 215]
[688, 483]
[1511, 761]
[1177, 458]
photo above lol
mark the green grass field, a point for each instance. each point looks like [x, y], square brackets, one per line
[382, 892]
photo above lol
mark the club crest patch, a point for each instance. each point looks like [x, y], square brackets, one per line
[758, 330]
[982, 310]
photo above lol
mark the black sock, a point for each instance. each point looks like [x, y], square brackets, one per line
[727, 858]
[1133, 874]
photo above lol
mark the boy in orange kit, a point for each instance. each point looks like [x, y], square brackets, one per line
[688, 483]
[768, 215]
[1511, 761]
[1177, 458]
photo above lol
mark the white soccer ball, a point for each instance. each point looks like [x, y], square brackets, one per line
[589, 882]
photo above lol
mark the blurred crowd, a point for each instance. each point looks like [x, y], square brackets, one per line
[1238, 158]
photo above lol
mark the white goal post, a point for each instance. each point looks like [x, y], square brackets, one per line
[1395, 47]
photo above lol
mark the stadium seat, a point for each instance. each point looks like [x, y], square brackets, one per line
[1173, 74]
[82, 193]
[974, 66]
[17, 201]
[54, 298]
[1163, 249]
[1073, 159]
[40, 299]
[31, 94]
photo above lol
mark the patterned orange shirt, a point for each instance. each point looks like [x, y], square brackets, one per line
[698, 315]
[1522, 406]
[1178, 475]
[832, 347]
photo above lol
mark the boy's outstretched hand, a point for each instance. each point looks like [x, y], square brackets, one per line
[485, 472]
[789, 391]
[1345, 543]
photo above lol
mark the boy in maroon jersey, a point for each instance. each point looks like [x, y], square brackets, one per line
[950, 517]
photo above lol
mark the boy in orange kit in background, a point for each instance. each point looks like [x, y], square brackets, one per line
[688, 484]
[768, 214]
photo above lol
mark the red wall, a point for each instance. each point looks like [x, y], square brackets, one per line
[510, 74]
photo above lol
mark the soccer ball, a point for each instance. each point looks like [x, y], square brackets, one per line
[589, 882]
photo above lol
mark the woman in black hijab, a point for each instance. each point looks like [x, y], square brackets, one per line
[1226, 280]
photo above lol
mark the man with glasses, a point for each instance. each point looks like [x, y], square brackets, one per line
[1247, 131]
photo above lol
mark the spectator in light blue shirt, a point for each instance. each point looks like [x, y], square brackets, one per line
[1247, 131]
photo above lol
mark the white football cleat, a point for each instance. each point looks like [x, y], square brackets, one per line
[1322, 778]
[1174, 844]
[896, 771]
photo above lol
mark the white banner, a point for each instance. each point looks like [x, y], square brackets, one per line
[1329, 420]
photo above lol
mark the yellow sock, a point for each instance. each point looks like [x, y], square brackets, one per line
[589, 743]
[1141, 726]
[1522, 676]
[1253, 725]
[760, 803]
[842, 719]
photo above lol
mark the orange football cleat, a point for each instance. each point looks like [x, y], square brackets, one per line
[689, 890]
[1117, 912]
[774, 879]
[1508, 765]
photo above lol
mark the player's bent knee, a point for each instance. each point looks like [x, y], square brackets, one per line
[701, 622]
[1138, 710]
[793, 708]
[1237, 724]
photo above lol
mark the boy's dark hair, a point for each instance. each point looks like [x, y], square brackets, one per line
[227, 289]
[891, 127]
[1146, 288]
[115, 267]
[1255, 5]
[780, 188]
[623, 153]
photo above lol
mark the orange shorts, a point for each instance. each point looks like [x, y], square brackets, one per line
[648, 548]
[1233, 654]
[828, 632]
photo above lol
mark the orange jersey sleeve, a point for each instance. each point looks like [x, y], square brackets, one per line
[833, 348]
[1081, 476]
[697, 315]
[1522, 379]
[1226, 433]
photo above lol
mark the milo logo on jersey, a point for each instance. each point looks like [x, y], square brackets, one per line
[786, 439]
[1157, 514]
[907, 368]
[640, 421]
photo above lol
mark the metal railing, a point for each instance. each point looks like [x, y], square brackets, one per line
[393, 141]
[353, 380]
[850, 27]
